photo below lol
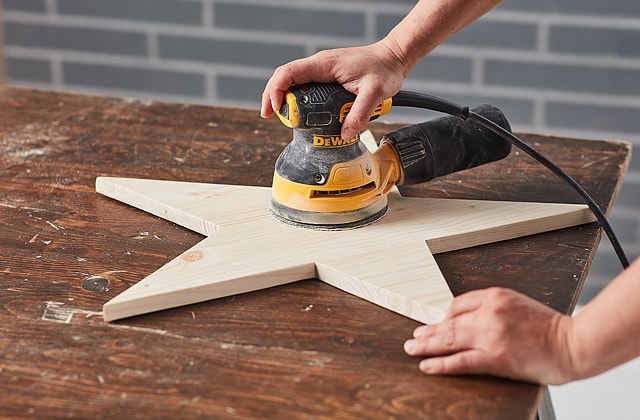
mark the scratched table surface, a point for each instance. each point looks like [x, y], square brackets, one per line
[304, 350]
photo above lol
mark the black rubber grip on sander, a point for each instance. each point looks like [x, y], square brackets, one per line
[448, 144]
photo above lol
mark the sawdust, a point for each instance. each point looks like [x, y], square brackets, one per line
[35, 140]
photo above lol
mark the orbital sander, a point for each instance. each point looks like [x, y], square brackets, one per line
[323, 181]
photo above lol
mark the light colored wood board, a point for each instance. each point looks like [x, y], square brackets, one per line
[389, 263]
[200, 207]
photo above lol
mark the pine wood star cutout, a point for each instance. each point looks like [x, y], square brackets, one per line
[389, 262]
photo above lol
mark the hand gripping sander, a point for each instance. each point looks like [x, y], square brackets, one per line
[323, 181]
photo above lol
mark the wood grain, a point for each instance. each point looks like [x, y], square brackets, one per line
[296, 350]
[249, 250]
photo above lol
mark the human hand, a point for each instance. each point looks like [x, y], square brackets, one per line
[498, 332]
[373, 73]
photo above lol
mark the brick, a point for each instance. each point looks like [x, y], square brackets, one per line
[585, 117]
[134, 79]
[625, 8]
[165, 11]
[449, 69]
[76, 39]
[487, 34]
[289, 19]
[629, 197]
[385, 22]
[595, 41]
[245, 89]
[491, 34]
[246, 53]
[29, 70]
[24, 5]
[625, 227]
[605, 267]
[517, 111]
[571, 78]
[634, 163]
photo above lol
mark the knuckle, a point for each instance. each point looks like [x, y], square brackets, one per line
[464, 362]
[378, 90]
[500, 300]
[497, 293]
[422, 331]
[453, 306]
[284, 70]
[358, 119]
[325, 54]
[450, 336]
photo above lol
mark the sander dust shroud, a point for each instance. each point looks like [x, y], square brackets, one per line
[322, 181]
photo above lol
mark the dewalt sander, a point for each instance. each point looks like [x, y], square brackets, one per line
[323, 181]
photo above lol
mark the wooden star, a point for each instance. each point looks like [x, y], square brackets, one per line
[389, 262]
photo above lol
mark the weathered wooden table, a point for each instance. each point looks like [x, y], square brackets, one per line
[304, 350]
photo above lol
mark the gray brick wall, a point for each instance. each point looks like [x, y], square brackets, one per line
[2, 59]
[565, 67]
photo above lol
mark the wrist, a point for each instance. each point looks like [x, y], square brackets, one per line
[411, 41]
[565, 345]
[591, 351]
[395, 56]
[585, 351]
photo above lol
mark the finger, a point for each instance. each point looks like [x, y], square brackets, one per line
[462, 304]
[266, 110]
[445, 338]
[360, 113]
[304, 70]
[273, 93]
[466, 302]
[467, 362]
[422, 330]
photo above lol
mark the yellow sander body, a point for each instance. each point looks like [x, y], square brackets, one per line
[322, 181]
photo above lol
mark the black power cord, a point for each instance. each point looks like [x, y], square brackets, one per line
[419, 100]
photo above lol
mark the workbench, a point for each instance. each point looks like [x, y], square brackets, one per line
[303, 350]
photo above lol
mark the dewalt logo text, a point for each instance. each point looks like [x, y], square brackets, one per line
[332, 141]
